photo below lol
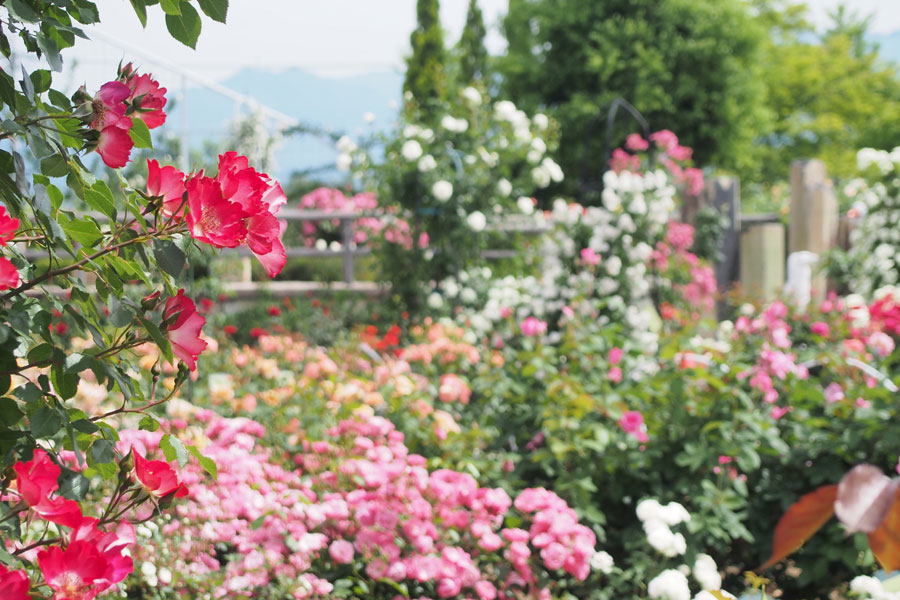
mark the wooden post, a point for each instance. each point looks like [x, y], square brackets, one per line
[762, 259]
[724, 194]
[348, 248]
[814, 215]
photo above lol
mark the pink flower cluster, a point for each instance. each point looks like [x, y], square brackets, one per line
[131, 96]
[672, 256]
[9, 275]
[236, 207]
[362, 498]
[672, 158]
[533, 327]
[366, 228]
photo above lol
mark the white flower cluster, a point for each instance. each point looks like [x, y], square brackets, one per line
[657, 520]
[866, 587]
[671, 584]
[875, 243]
[603, 562]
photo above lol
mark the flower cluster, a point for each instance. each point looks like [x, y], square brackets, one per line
[238, 206]
[9, 275]
[90, 555]
[360, 506]
[875, 242]
[117, 105]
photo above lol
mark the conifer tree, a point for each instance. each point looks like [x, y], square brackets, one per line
[471, 50]
[425, 67]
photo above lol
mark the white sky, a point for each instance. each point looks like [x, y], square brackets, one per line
[332, 38]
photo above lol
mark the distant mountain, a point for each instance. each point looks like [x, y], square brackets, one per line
[332, 104]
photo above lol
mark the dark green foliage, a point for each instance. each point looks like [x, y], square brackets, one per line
[425, 67]
[472, 53]
[691, 66]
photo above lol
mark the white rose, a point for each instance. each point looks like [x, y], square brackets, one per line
[346, 145]
[435, 301]
[504, 187]
[540, 176]
[411, 150]
[613, 265]
[369, 117]
[321, 244]
[556, 173]
[442, 190]
[669, 585]
[344, 162]
[427, 163]
[706, 572]
[472, 95]
[468, 295]
[525, 204]
[602, 561]
[541, 121]
[476, 221]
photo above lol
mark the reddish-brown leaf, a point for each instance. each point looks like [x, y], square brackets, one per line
[885, 541]
[805, 517]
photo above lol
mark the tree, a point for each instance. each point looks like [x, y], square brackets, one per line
[470, 48]
[828, 95]
[425, 67]
[691, 66]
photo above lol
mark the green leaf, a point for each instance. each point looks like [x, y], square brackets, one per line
[51, 51]
[140, 9]
[41, 353]
[185, 27]
[120, 314]
[169, 257]
[103, 451]
[64, 382]
[41, 80]
[257, 522]
[85, 426]
[217, 10]
[9, 412]
[83, 231]
[55, 166]
[72, 485]
[208, 464]
[22, 11]
[171, 7]
[100, 198]
[46, 422]
[173, 449]
[148, 423]
[158, 338]
[140, 134]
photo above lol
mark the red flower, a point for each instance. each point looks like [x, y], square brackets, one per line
[258, 332]
[9, 274]
[8, 226]
[111, 545]
[13, 584]
[114, 145]
[158, 477]
[168, 183]
[79, 572]
[61, 327]
[36, 479]
[146, 97]
[212, 218]
[260, 198]
[230, 330]
[184, 331]
[274, 311]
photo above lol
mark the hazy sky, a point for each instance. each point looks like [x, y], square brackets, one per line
[329, 37]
